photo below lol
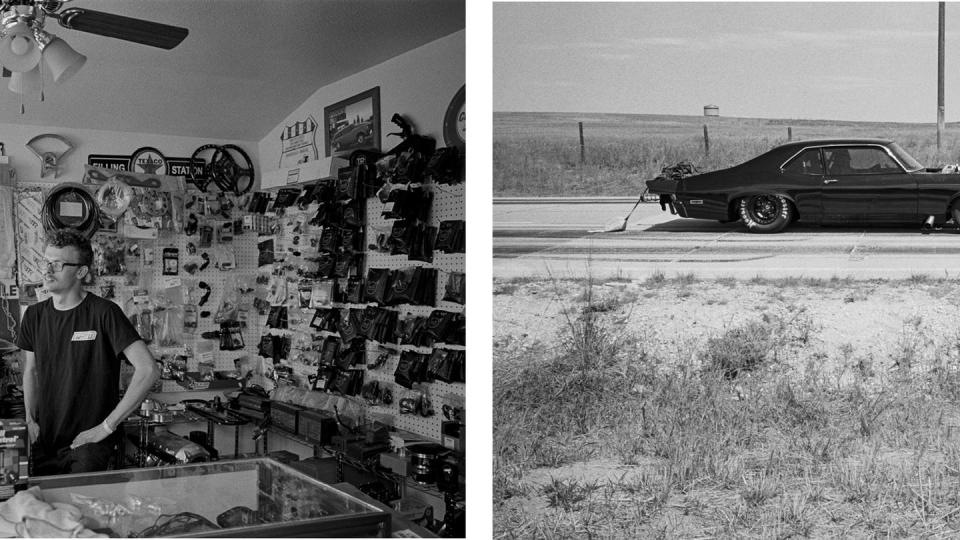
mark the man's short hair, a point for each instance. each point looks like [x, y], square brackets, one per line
[67, 237]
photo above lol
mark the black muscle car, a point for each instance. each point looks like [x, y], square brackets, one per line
[820, 181]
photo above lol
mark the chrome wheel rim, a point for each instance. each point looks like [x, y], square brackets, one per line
[765, 209]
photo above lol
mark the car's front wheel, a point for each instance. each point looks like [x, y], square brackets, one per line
[765, 213]
[361, 137]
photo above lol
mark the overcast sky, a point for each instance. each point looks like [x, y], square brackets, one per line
[859, 61]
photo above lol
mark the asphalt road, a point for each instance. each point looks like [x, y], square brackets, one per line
[565, 239]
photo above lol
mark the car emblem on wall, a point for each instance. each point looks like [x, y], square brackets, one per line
[148, 160]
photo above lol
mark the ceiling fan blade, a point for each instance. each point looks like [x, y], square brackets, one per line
[140, 31]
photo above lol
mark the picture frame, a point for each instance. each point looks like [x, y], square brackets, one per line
[352, 124]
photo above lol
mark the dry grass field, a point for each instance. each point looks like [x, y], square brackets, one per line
[729, 408]
[538, 154]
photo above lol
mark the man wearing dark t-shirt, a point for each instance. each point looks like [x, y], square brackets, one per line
[71, 374]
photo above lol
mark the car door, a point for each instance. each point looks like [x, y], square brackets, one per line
[864, 183]
[803, 176]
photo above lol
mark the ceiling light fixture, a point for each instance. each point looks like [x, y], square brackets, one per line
[26, 48]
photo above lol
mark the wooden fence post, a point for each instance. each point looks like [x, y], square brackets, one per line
[706, 141]
[581, 143]
[789, 133]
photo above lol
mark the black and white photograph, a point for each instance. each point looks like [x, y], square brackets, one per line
[353, 124]
[211, 326]
[725, 269]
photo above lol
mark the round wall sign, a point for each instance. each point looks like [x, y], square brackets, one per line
[148, 160]
[454, 122]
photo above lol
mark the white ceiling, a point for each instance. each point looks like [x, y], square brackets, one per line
[244, 67]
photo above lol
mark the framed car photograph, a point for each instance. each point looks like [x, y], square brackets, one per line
[352, 124]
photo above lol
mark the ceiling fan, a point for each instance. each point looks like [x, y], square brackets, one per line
[26, 46]
[34, 13]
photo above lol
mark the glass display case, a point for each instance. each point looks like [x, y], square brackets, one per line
[249, 497]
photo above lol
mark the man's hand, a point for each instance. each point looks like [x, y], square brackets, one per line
[92, 435]
[33, 430]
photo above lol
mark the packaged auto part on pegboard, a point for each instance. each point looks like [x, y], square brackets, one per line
[411, 369]
[286, 197]
[109, 255]
[416, 402]
[348, 382]
[229, 304]
[421, 243]
[375, 288]
[325, 263]
[347, 186]
[353, 292]
[400, 237]
[412, 203]
[330, 350]
[349, 216]
[351, 353]
[170, 324]
[412, 330]
[456, 288]
[350, 240]
[140, 311]
[441, 323]
[324, 377]
[404, 286]
[447, 366]
[348, 324]
[324, 293]
[325, 319]
[451, 236]
[377, 393]
[446, 166]
[416, 285]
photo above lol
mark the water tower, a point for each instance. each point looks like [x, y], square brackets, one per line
[711, 110]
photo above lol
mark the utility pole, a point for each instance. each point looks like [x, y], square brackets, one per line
[940, 53]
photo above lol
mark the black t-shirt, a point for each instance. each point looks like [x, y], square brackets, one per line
[77, 363]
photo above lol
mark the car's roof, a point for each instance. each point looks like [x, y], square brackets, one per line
[826, 142]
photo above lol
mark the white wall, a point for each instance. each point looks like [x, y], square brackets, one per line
[88, 141]
[418, 84]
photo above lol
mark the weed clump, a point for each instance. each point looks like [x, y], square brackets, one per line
[739, 349]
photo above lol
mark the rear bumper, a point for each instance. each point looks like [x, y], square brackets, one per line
[671, 203]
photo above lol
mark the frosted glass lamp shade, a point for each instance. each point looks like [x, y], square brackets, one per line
[62, 60]
[19, 51]
[25, 82]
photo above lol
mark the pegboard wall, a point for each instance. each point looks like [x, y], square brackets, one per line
[448, 203]
[135, 278]
[232, 265]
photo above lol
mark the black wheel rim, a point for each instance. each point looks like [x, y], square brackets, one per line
[764, 209]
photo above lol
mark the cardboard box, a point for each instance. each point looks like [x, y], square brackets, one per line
[318, 427]
[454, 436]
[14, 459]
[395, 462]
[285, 416]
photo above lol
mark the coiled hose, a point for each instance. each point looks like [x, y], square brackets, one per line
[55, 215]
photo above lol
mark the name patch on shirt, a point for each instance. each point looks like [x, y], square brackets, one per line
[88, 335]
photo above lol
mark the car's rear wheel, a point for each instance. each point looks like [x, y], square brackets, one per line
[766, 213]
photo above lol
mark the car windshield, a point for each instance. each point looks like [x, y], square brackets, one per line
[912, 165]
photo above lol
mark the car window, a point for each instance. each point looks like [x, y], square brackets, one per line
[808, 162]
[859, 160]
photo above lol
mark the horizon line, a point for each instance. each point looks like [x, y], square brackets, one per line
[731, 117]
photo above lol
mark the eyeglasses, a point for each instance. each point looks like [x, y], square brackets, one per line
[57, 266]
